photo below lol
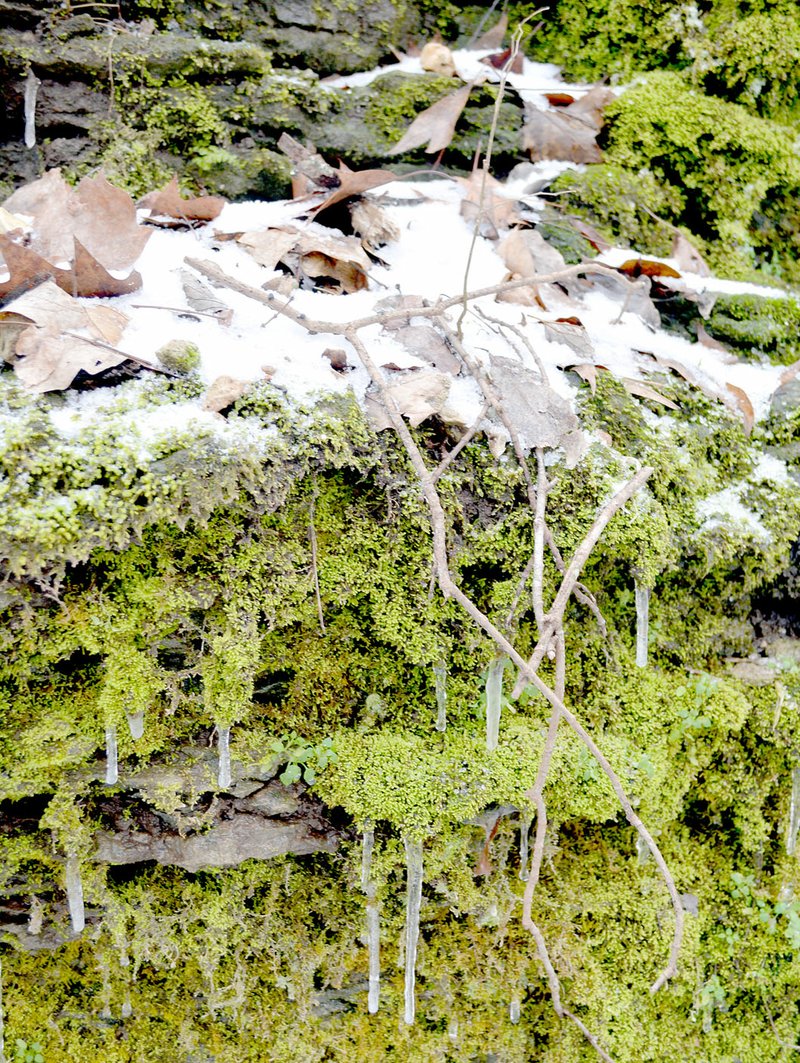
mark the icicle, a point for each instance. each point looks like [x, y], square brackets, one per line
[794, 812]
[642, 850]
[112, 770]
[452, 1029]
[513, 1010]
[524, 853]
[135, 724]
[74, 888]
[373, 922]
[374, 945]
[126, 1010]
[32, 84]
[413, 902]
[224, 769]
[642, 596]
[367, 845]
[440, 678]
[494, 702]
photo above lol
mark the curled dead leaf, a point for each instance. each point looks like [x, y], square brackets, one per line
[742, 403]
[168, 200]
[646, 267]
[353, 183]
[644, 391]
[557, 134]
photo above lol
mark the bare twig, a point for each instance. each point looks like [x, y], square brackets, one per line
[451, 455]
[123, 354]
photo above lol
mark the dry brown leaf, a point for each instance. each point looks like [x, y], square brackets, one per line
[437, 58]
[90, 278]
[508, 59]
[436, 124]
[646, 267]
[373, 225]
[499, 212]
[106, 323]
[494, 36]
[586, 371]
[168, 200]
[556, 134]
[27, 269]
[707, 340]
[525, 253]
[559, 99]
[269, 246]
[223, 392]
[338, 359]
[101, 216]
[743, 404]
[353, 183]
[588, 232]
[589, 108]
[789, 373]
[341, 259]
[571, 335]
[644, 391]
[688, 257]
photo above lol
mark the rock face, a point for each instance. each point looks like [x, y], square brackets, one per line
[149, 95]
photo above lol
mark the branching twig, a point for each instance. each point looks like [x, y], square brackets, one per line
[452, 454]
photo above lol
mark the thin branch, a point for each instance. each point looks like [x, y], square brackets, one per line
[579, 559]
[218, 276]
[538, 541]
[451, 455]
[123, 354]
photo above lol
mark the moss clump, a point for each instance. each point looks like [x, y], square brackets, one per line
[722, 160]
[181, 356]
[757, 326]
[623, 205]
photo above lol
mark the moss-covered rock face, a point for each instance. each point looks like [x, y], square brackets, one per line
[175, 583]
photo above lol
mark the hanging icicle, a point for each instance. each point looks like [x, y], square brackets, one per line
[32, 84]
[524, 842]
[373, 922]
[112, 767]
[513, 1010]
[494, 702]
[135, 724]
[413, 903]
[224, 767]
[794, 812]
[74, 889]
[642, 596]
[440, 679]
[642, 851]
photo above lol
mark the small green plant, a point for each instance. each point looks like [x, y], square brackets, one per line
[783, 914]
[27, 1053]
[304, 760]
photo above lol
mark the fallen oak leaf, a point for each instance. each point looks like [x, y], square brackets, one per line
[353, 183]
[494, 36]
[589, 108]
[268, 246]
[100, 215]
[168, 200]
[436, 124]
[559, 99]
[586, 371]
[91, 278]
[789, 373]
[27, 269]
[202, 298]
[500, 61]
[644, 391]
[688, 257]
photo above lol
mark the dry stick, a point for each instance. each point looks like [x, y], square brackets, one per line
[123, 354]
[570, 578]
[451, 590]
[538, 542]
[451, 455]
[438, 527]
[212, 271]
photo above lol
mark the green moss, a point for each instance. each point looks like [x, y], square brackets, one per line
[179, 355]
[723, 160]
[758, 327]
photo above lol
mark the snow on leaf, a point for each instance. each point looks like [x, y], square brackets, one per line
[417, 395]
[91, 278]
[168, 200]
[27, 268]
[539, 414]
[436, 125]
